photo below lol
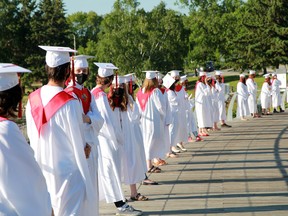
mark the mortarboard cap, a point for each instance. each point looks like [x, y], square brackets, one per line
[183, 78]
[251, 72]
[159, 76]
[168, 81]
[120, 80]
[80, 61]
[266, 75]
[174, 73]
[202, 73]
[130, 77]
[242, 75]
[8, 75]
[56, 56]
[105, 69]
[151, 74]
[218, 73]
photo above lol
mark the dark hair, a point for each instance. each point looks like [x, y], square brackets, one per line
[59, 73]
[9, 100]
[104, 80]
[116, 101]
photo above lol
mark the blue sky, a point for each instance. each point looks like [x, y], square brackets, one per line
[102, 7]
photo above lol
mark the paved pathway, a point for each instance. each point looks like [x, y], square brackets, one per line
[237, 171]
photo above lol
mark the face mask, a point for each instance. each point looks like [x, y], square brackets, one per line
[134, 87]
[119, 92]
[81, 78]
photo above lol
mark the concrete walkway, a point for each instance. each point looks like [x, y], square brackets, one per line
[237, 171]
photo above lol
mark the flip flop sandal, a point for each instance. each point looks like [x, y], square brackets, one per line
[154, 169]
[139, 197]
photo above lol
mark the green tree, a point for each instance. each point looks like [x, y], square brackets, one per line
[49, 27]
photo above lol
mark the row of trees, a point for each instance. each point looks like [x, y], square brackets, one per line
[231, 33]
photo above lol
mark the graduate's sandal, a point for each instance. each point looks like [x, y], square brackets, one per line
[139, 197]
[154, 169]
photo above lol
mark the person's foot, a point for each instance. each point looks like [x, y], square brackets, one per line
[225, 125]
[180, 145]
[128, 210]
[281, 110]
[172, 155]
[149, 182]
[275, 111]
[244, 119]
[190, 139]
[198, 139]
[175, 150]
[216, 129]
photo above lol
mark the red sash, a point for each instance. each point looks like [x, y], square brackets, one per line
[3, 119]
[143, 98]
[178, 88]
[83, 95]
[97, 92]
[41, 114]
[162, 90]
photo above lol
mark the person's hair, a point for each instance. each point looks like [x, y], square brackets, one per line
[243, 80]
[9, 100]
[104, 80]
[115, 101]
[150, 84]
[59, 73]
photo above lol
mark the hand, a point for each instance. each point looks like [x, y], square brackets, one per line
[86, 119]
[87, 150]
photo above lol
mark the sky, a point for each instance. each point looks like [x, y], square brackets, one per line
[102, 7]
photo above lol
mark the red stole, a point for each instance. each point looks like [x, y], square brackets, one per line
[3, 119]
[83, 95]
[98, 92]
[162, 90]
[178, 88]
[143, 98]
[41, 114]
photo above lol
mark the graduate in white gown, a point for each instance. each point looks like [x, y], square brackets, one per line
[203, 105]
[276, 95]
[242, 98]
[252, 90]
[182, 105]
[148, 99]
[220, 86]
[265, 95]
[23, 189]
[55, 130]
[111, 139]
[190, 114]
[132, 150]
[91, 117]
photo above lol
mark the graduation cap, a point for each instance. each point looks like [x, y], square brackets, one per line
[151, 74]
[56, 56]
[105, 69]
[8, 75]
[252, 72]
[242, 75]
[168, 81]
[130, 77]
[266, 75]
[183, 78]
[80, 61]
[174, 73]
[120, 80]
[202, 73]
[218, 73]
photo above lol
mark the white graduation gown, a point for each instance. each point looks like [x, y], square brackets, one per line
[110, 161]
[215, 108]
[182, 102]
[221, 100]
[152, 125]
[132, 154]
[91, 132]
[59, 151]
[252, 99]
[265, 96]
[174, 127]
[23, 189]
[242, 100]
[203, 106]
[276, 95]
